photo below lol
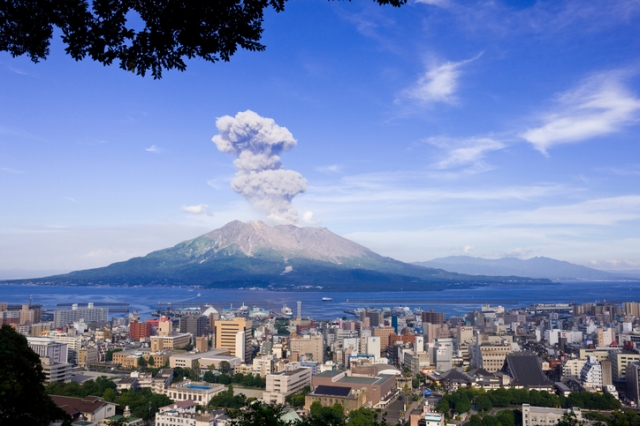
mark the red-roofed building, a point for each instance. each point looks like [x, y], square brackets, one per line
[90, 408]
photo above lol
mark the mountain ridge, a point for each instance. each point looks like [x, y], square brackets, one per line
[536, 267]
[281, 257]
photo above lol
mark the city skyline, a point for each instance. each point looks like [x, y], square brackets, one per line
[488, 129]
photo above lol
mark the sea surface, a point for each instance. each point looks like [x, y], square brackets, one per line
[452, 302]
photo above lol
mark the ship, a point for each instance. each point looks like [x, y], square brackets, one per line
[327, 299]
[287, 311]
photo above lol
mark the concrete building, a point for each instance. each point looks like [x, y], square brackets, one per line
[195, 325]
[606, 336]
[47, 347]
[350, 399]
[313, 346]
[62, 317]
[374, 346]
[591, 374]
[198, 392]
[40, 329]
[489, 352]
[383, 333]
[234, 335]
[571, 369]
[632, 377]
[380, 388]
[284, 383]
[202, 343]
[139, 330]
[619, 361]
[533, 416]
[173, 341]
[56, 371]
[433, 317]
[87, 356]
[184, 413]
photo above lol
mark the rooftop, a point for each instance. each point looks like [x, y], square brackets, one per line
[332, 391]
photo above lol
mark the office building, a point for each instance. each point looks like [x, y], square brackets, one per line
[284, 383]
[234, 335]
[312, 346]
[196, 325]
[139, 330]
[174, 341]
[433, 317]
[63, 317]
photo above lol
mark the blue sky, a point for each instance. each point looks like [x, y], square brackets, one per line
[485, 128]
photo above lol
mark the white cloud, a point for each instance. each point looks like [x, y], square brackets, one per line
[154, 149]
[465, 152]
[438, 84]
[439, 3]
[598, 107]
[602, 211]
[333, 168]
[518, 252]
[11, 171]
[200, 209]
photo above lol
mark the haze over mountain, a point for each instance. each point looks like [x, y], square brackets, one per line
[537, 267]
[257, 255]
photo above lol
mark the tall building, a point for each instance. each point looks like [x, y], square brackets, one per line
[383, 333]
[196, 325]
[313, 345]
[48, 347]
[62, 317]
[433, 317]
[139, 330]
[376, 319]
[234, 335]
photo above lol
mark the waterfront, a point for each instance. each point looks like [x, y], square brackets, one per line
[450, 301]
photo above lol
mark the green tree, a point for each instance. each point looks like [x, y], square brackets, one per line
[151, 361]
[23, 400]
[209, 377]
[109, 395]
[483, 403]
[224, 367]
[259, 414]
[141, 362]
[506, 418]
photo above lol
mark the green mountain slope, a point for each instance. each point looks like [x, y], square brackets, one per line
[281, 257]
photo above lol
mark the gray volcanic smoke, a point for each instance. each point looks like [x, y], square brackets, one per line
[257, 142]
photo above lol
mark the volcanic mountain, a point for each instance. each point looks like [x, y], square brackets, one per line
[280, 257]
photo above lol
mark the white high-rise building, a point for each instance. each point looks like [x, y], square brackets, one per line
[62, 317]
[591, 373]
[373, 346]
[48, 347]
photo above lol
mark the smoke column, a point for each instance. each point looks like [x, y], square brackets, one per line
[257, 142]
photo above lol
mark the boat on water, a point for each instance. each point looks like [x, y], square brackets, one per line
[327, 299]
[198, 295]
[287, 311]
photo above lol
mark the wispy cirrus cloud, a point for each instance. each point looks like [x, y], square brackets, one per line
[199, 209]
[465, 152]
[154, 149]
[600, 106]
[332, 168]
[11, 171]
[439, 83]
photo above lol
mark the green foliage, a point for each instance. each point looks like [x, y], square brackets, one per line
[209, 377]
[297, 400]
[95, 387]
[180, 373]
[109, 395]
[226, 399]
[151, 361]
[415, 383]
[505, 397]
[365, 417]
[141, 362]
[506, 418]
[138, 402]
[259, 414]
[244, 380]
[483, 403]
[109, 355]
[224, 367]
[23, 400]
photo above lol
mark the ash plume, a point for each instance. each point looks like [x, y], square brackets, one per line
[257, 142]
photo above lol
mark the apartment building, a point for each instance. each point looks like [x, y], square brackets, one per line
[62, 317]
[308, 345]
[284, 383]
